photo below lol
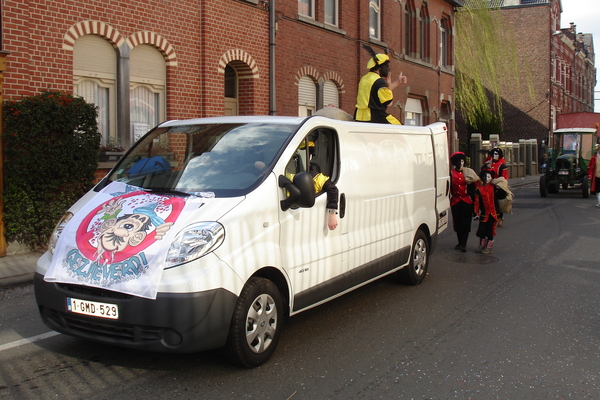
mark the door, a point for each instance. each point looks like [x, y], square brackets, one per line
[312, 254]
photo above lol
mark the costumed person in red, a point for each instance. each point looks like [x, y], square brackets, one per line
[495, 161]
[462, 188]
[486, 208]
[594, 175]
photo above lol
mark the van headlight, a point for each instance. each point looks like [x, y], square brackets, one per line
[58, 230]
[195, 241]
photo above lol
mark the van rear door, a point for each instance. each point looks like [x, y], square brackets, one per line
[442, 171]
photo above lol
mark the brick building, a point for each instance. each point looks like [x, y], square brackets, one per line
[556, 66]
[142, 62]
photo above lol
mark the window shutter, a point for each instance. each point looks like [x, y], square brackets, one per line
[94, 57]
[307, 92]
[330, 94]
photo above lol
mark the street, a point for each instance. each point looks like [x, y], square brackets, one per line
[520, 323]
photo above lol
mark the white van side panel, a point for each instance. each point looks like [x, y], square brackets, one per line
[391, 191]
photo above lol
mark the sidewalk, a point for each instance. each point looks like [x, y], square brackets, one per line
[19, 268]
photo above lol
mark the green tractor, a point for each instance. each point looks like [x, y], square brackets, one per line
[568, 161]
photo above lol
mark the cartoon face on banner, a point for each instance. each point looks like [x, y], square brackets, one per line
[126, 225]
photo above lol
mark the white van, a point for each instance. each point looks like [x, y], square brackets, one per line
[209, 233]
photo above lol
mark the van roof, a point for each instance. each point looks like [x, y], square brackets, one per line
[237, 119]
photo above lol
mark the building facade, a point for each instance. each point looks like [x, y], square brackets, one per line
[143, 62]
[556, 68]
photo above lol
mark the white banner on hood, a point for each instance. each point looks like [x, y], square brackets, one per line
[119, 240]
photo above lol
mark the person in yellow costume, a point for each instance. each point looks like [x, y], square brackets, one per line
[322, 183]
[375, 91]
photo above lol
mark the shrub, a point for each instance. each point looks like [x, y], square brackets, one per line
[51, 154]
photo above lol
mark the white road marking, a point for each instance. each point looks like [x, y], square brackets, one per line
[32, 339]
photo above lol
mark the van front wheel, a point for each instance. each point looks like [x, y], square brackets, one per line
[256, 323]
[415, 271]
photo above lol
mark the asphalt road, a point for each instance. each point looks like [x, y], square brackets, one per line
[521, 323]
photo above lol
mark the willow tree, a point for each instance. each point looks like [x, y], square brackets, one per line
[485, 58]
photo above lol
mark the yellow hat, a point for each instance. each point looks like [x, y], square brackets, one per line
[381, 58]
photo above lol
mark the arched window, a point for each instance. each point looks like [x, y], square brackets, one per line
[148, 77]
[307, 96]
[94, 79]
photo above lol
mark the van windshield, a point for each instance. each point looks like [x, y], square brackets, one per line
[226, 159]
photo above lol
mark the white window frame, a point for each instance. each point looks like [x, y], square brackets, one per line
[375, 17]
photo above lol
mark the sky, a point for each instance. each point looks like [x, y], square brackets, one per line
[586, 15]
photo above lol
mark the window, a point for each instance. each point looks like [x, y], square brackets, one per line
[231, 91]
[147, 85]
[306, 8]
[331, 12]
[374, 19]
[408, 28]
[424, 34]
[93, 92]
[315, 154]
[307, 97]
[414, 112]
[144, 110]
[446, 42]
[94, 79]
[445, 112]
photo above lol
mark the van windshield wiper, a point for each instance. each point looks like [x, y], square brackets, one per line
[166, 190]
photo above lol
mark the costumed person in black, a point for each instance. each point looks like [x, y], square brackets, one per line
[486, 207]
[375, 91]
[495, 161]
[323, 182]
[462, 188]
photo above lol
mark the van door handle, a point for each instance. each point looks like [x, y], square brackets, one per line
[342, 205]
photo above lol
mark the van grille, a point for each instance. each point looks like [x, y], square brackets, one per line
[95, 329]
[92, 291]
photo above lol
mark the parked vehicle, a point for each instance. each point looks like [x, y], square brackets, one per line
[208, 233]
[568, 160]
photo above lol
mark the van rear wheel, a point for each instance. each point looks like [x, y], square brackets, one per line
[256, 323]
[415, 271]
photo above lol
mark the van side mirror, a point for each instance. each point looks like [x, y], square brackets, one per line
[301, 191]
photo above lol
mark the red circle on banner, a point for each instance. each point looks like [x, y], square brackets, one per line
[85, 236]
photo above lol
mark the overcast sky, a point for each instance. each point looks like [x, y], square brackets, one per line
[586, 15]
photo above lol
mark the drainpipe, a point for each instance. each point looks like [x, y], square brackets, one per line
[272, 29]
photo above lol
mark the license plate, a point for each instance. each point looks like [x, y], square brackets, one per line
[93, 308]
[563, 172]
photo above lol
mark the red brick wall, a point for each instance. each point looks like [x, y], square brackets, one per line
[204, 34]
